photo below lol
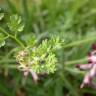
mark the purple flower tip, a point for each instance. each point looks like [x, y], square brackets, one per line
[93, 46]
[77, 66]
[90, 61]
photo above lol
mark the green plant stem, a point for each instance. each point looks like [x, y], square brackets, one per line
[70, 87]
[80, 42]
[75, 61]
[13, 37]
[9, 66]
[7, 61]
[2, 30]
[6, 37]
[74, 71]
[10, 52]
[18, 41]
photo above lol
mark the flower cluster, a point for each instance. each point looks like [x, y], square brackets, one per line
[40, 59]
[91, 66]
[30, 63]
[25, 64]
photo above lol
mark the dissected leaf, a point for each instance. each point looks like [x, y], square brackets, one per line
[2, 40]
[30, 39]
[21, 27]
[15, 24]
[1, 16]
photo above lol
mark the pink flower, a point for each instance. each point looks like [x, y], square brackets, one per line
[34, 75]
[91, 66]
[84, 66]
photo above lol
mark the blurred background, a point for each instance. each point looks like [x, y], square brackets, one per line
[72, 20]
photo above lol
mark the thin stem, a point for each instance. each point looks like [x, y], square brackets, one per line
[13, 37]
[75, 61]
[74, 71]
[10, 52]
[18, 41]
[7, 61]
[6, 37]
[9, 66]
[2, 30]
[80, 42]
[70, 86]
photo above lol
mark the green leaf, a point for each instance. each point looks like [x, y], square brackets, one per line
[1, 16]
[2, 40]
[21, 27]
[15, 23]
[30, 39]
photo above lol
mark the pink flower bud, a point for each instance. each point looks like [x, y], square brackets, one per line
[34, 75]
[26, 73]
[86, 81]
[92, 59]
[93, 71]
[84, 66]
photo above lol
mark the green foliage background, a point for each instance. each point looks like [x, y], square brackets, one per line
[74, 21]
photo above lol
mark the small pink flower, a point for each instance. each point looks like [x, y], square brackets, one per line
[34, 75]
[87, 81]
[84, 66]
[92, 59]
[26, 73]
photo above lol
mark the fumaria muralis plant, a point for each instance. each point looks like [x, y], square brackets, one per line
[33, 58]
